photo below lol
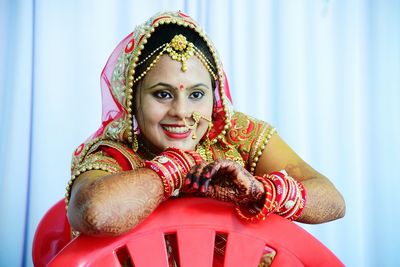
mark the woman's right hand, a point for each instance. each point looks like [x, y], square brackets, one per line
[224, 180]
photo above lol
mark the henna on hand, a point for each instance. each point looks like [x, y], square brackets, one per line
[224, 180]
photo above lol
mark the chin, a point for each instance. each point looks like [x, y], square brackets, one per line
[182, 146]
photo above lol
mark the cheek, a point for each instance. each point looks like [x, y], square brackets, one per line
[207, 108]
[150, 114]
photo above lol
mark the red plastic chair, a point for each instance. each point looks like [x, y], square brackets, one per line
[195, 221]
[52, 234]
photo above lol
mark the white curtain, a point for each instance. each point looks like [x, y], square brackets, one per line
[325, 73]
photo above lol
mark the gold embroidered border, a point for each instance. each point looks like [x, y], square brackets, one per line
[95, 161]
[259, 148]
[134, 159]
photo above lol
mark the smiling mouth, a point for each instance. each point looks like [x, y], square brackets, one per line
[176, 131]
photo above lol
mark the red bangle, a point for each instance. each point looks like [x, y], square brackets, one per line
[281, 187]
[179, 157]
[302, 202]
[167, 181]
[196, 156]
[290, 200]
[268, 206]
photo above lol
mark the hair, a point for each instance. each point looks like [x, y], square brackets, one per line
[163, 34]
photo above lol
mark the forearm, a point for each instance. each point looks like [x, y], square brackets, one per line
[114, 204]
[324, 203]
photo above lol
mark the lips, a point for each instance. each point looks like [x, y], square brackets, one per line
[176, 131]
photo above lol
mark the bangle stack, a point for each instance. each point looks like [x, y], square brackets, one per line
[293, 198]
[283, 195]
[171, 166]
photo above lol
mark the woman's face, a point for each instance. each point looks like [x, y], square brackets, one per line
[166, 96]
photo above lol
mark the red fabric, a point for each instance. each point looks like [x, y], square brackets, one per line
[118, 156]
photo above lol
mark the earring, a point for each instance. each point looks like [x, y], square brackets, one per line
[207, 142]
[135, 144]
[136, 131]
[204, 149]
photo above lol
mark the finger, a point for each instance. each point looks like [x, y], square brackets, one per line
[204, 188]
[221, 168]
[189, 178]
[195, 176]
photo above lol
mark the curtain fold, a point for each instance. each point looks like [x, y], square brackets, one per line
[325, 73]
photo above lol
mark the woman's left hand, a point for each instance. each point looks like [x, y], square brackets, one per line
[224, 180]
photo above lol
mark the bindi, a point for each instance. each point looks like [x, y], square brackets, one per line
[181, 87]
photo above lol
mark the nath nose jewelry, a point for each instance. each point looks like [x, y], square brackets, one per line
[196, 117]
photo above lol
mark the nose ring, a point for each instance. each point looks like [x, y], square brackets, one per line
[197, 116]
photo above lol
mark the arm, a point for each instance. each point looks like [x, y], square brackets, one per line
[324, 202]
[112, 204]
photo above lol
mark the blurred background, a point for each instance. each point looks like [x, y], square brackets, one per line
[325, 73]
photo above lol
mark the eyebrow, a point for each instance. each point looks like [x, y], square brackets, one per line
[173, 87]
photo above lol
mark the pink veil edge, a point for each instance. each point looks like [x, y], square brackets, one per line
[111, 108]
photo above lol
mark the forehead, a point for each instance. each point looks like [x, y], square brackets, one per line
[168, 70]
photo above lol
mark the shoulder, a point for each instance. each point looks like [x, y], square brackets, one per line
[99, 152]
[249, 136]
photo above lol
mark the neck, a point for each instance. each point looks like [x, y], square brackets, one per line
[147, 150]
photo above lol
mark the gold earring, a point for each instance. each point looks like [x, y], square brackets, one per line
[135, 144]
[207, 142]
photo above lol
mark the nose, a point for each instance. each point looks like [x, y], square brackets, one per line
[179, 108]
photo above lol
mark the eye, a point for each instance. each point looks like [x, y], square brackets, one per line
[162, 95]
[196, 95]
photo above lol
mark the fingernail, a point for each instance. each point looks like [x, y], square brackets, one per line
[187, 181]
[203, 189]
[195, 186]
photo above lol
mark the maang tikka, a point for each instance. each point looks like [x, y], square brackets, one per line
[178, 49]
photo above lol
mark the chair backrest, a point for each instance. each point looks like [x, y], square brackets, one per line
[195, 222]
[52, 234]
